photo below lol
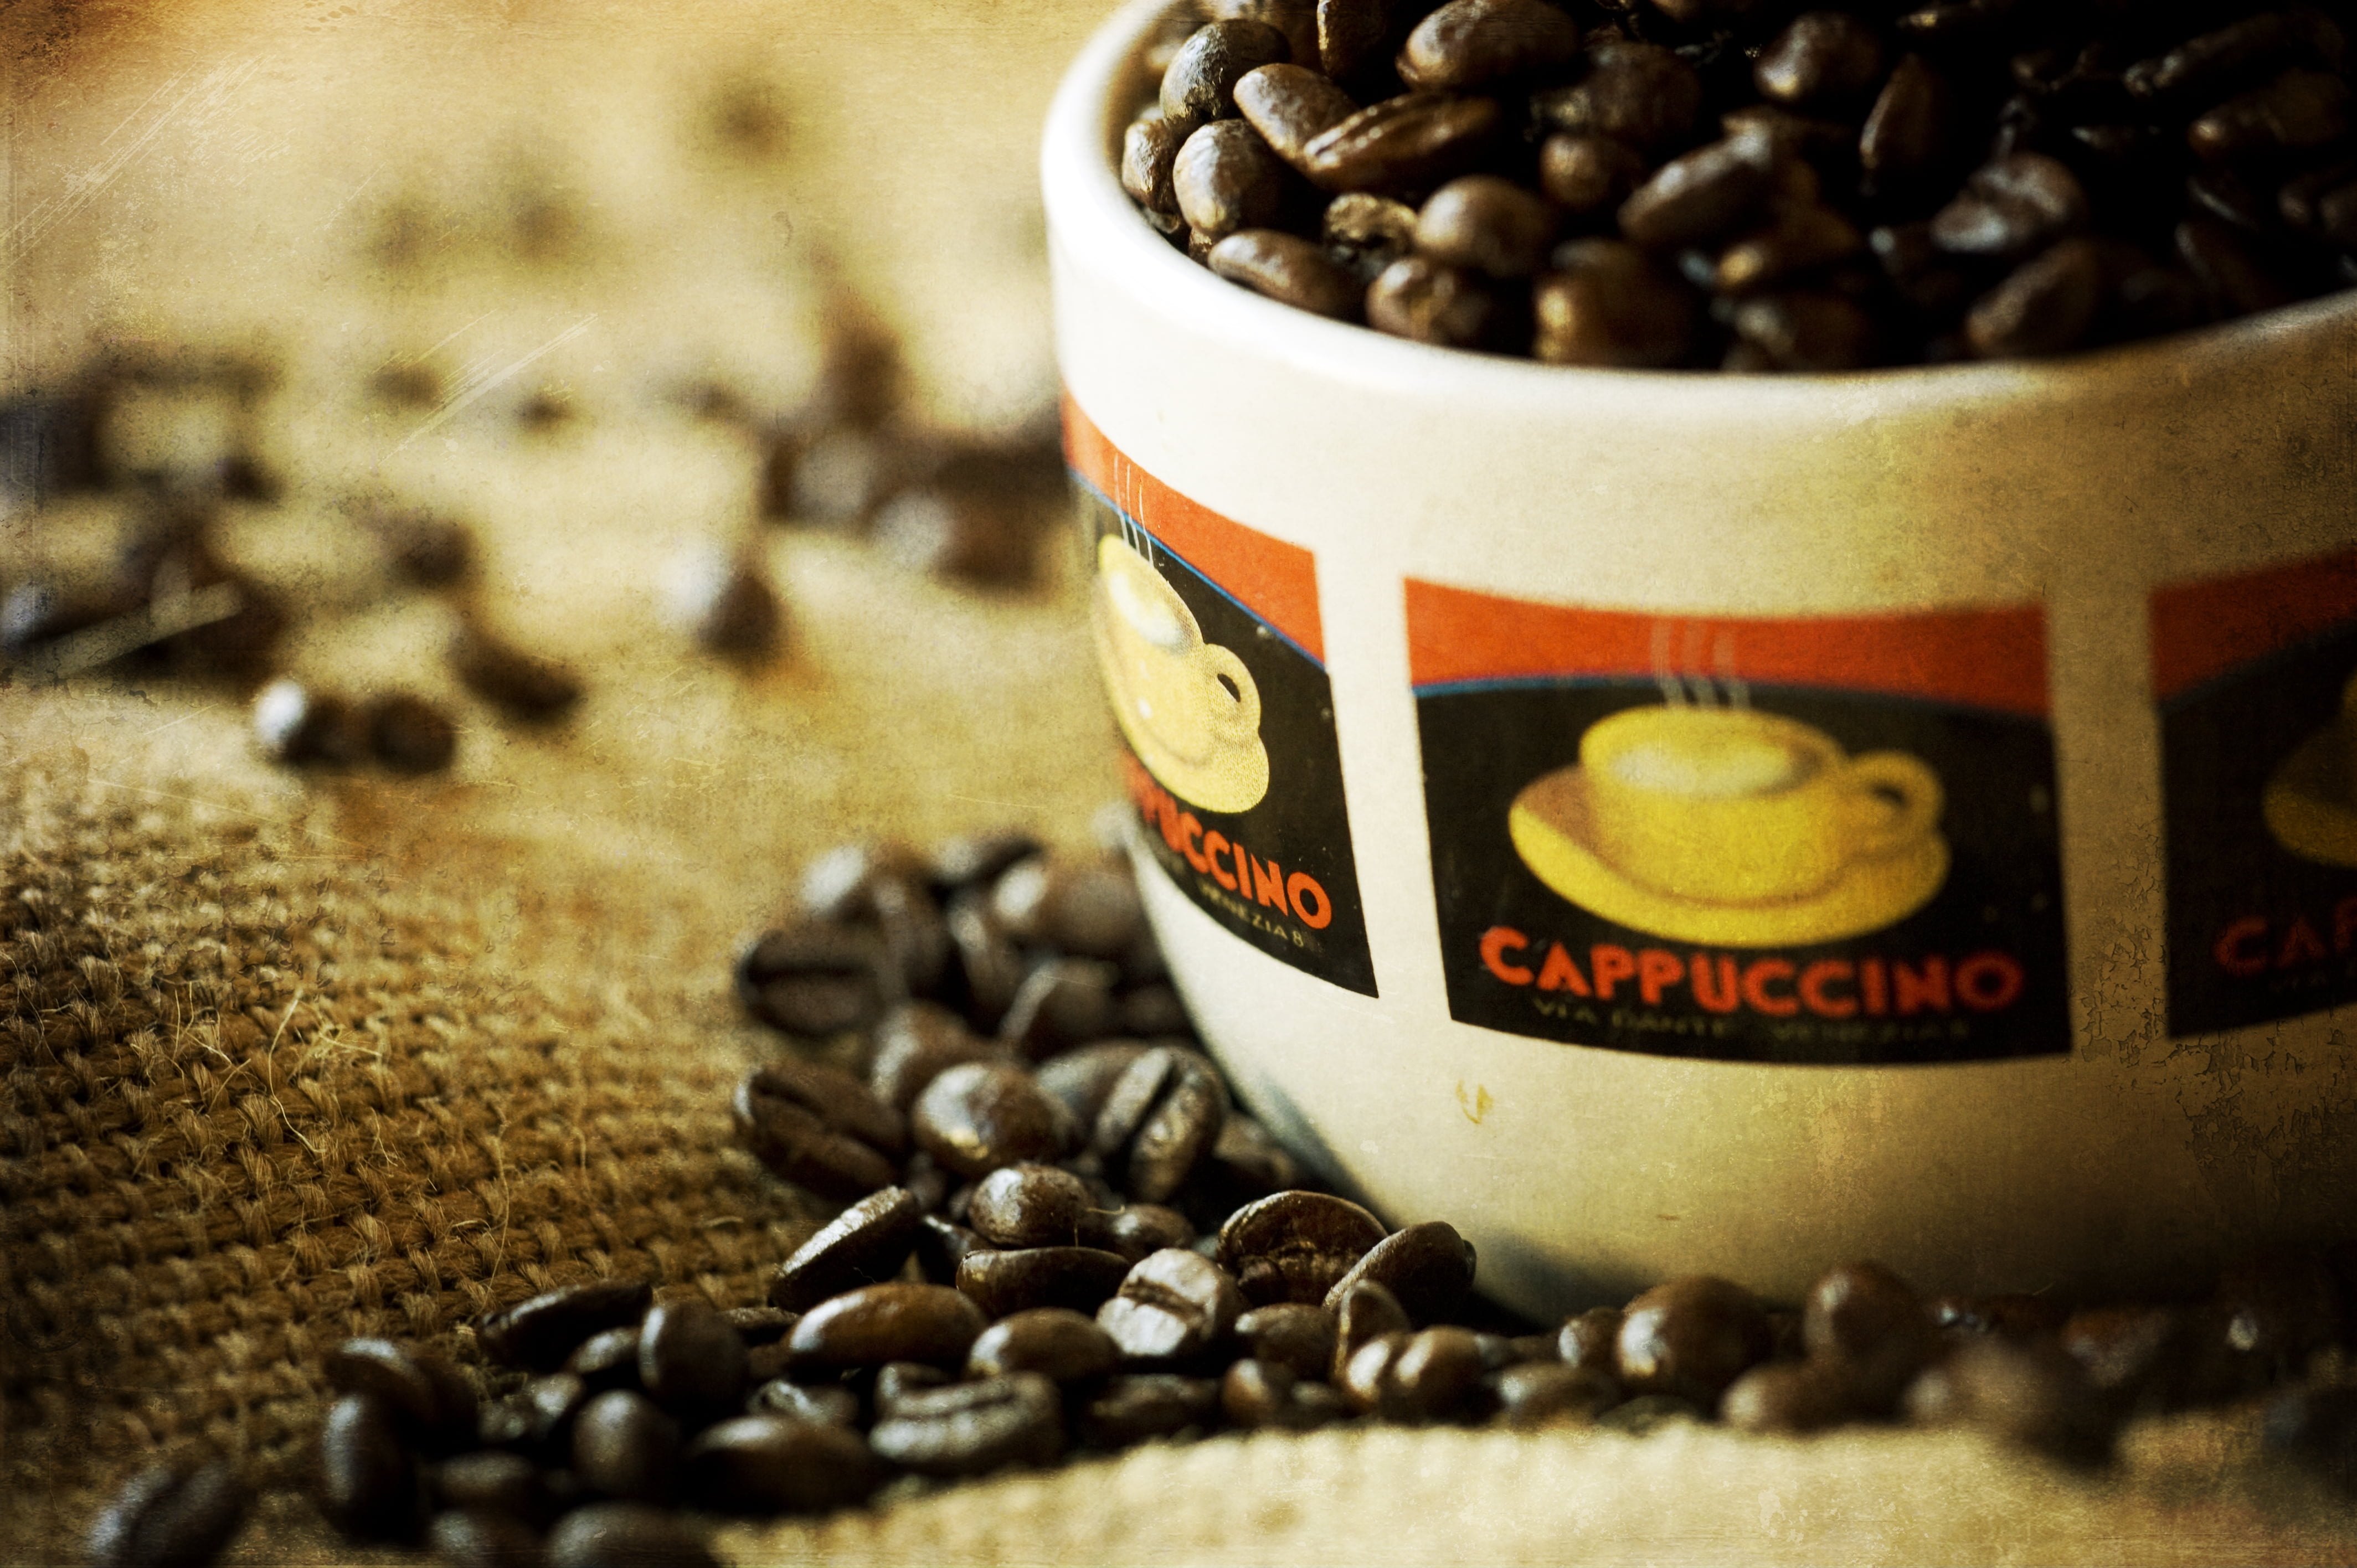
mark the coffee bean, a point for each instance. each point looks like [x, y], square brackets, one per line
[432, 1401]
[1871, 1329]
[729, 607]
[625, 1535]
[1427, 1268]
[368, 1480]
[1431, 1376]
[537, 1333]
[471, 1538]
[830, 1403]
[821, 1128]
[767, 1464]
[1296, 19]
[759, 1325]
[1056, 1342]
[523, 685]
[1255, 1395]
[608, 1359]
[1244, 1166]
[164, 1517]
[1637, 96]
[2018, 1317]
[1200, 83]
[977, 1116]
[1148, 149]
[1173, 1306]
[2234, 275]
[1002, 1284]
[2279, 1307]
[297, 726]
[1152, 1008]
[624, 1446]
[974, 1428]
[548, 1407]
[2011, 207]
[1910, 135]
[1415, 140]
[1140, 1229]
[1062, 1002]
[812, 979]
[1351, 35]
[1587, 175]
[691, 1362]
[410, 734]
[1466, 43]
[1533, 1395]
[1289, 270]
[1485, 224]
[1290, 106]
[1084, 906]
[1034, 1206]
[895, 1322]
[1799, 239]
[1365, 1372]
[988, 962]
[1141, 1406]
[2045, 307]
[941, 1247]
[1293, 1335]
[1161, 1117]
[2034, 1396]
[915, 1044]
[1809, 332]
[1367, 233]
[1226, 179]
[489, 1481]
[1367, 1311]
[2298, 109]
[1702, 195]
[1690, 1338]
[1605, 304]
[1294, 1246]
[1788, 1396]
[1821, 59]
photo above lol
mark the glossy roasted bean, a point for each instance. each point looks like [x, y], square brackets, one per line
[1486, 223]
[1140, 1229]
[977, 1116]
[604, 1361]
[625, 1535]
[1533, 1395]
[1062, 1002]
[1034, 1206]
[1788, 1396]
[624, 1446]
[1055, 1342]
[431, 1399]
[1702, 195]
[1432, 1376]
[1290, 106]
[1290, 270]
[1227, 178]
[1145, 1405]
[1910, 135]
[492, 1480]
[1255, 1395]
[1084, 906]
[1172, 1307]
[1295, 1335]
[1366, 1312]
[537, 1333]
[1691, 1337]
[2299, 109]
[1638, 96]
[1296, 19]
[895, 1322]
[1585, 175]
[1427, 1268]
[1428, 301]
[474, 1538]
[1822, 60]
[163, 1517]
[769, 1463]
[1415, 139]
[1468, 43]
[1294, 1246]
[820, 1127]
[1604, 303]
[1200, 83]
[866, 1244]
[2044, 306]
[970, 1429]
[1158, 1121]
[2011, 207]
[1005, 1282]
[368, 1480]
[915, 1044]
[829, 1403]
[691, 1362]
[1810, 332]
[1799, 239]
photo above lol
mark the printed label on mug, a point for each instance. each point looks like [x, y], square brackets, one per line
[1825, 840]
[1208, 642]
[2256, 678]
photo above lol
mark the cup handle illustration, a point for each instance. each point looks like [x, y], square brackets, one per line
[1235, 722]
[1890, 825]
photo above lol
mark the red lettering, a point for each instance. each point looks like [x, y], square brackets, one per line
[1875, 985]
[1560, 974]
[1167, 814]
[1916, 992]
[1216, 844]
[1988, 980]
[2301, 944]
[1813, 980]
[2231, 951]
[1268, 883]
[1303, 890]
[1496, 943]
[1611, 965]
[1190, 830]
[1754, 988]
[1656, 969]
[1719, 995]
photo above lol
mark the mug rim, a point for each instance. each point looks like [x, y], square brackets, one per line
[1093, 222]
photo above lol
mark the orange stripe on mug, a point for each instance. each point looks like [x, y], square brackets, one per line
[1275, 581]
[1993, 659]
[2205, 629]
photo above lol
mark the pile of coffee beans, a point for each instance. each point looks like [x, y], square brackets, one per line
[1755, 185]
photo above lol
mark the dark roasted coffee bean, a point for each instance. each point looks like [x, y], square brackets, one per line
[1034, 1206]
[1465, 43]
[840, 885]
[1160, 1120]
[974, 1428]
[1056, 1342]
[821, 1128]
[1431, 1376]
[1820, 60]
[988, 961]
[1919, 272]
[1200, 83]
[164, 1517]
[813, 978]
[1691, 1337]
[830, 1403]
[1152, 1008]
[1810, 332]
[730, 608]
[1063, 1002]
[2298, 109]
[1255, 1395]
[296, 724]
[539, 1333]
[1148, 149]
[607, 1359]
[410, 734]
[1227, 178]
[1082, 1079]
[1605, 304]
[472, 1537]
[1649, 1414]
[1427, 302]
[491, 1481]
[941, 1247]
[1140, 1229]
[2220, 191]
[2033, 1395]
[2017, 1318]
[1910, 133]
[1290, 105]
[1294, 1246]
[368, 1480]
[1146, 1405]
[2234, 275]
[1401, 143]
[916, 1043]
[1532, 1394]
[1797, 240]
[1002, 1284]
[977, 1116]
[970, 859]
[1296, 19]
[1350, 36]
[1367, 1311]
[2045, 307]
[2202, 67]
[2323, 202]
[1636, 95]
[548, 1406]
[520, 685]
[1244, 1166]
[1365, 1370]
[1173, 1306]
[1427, 1268]
[767, 1464]
[1487, 223]
[1290, 270]
[1586, 175]
[1591, 1338]
[431, 1399]
[1367, 233]
[624, 1446]
[1703, 195]
[625, 1535]
[864, 1245]
[1292, 1335]
[2011, 207]
[1087, 906]
[897, 1381]
[895, 1322]
[1869, 1326]
[1788, 1396]
[690, 1361]
[759, 1325]
[427, 551]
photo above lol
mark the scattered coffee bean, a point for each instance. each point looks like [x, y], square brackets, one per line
[812, 979]
[368, 1485]
[1172, 1307]
[1056, 1342]
[1160, 1120]
[1427, 1268]
[1690, 1338]
[767, 1464]
[297, 726]
[1293, 1335]
[977, 1116]
[607, 1361]
[624, 1446]
[1787, 1396]
[690, 1360]
[1295, 1246]
[429, 1398]
[625, 1535]
[164, 1517]
[897, 1322]
[410, 734]
[819, 1126]
[1002, 1282]
[1532, 1394]
[973, 1428]
[830, 1403]
[491, 1481]
[524, 685]
[539, 1333]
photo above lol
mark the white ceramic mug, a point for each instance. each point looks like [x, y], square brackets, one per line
[2063, 555]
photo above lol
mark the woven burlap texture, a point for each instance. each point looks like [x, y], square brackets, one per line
[285, 1064]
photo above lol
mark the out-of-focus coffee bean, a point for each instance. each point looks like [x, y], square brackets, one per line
[537, 1333]
[1400, 144]
[1605, 304]
[1034, 1206]
[1294, 1246]
[2232, 273]
[1702, 195]
[689, 1359]
[2011, 207]
[759, 1325]
[1172, 1307]
[830, 1403]
[2044, 306]
[1649, 1414]
[2210, 63]
[1143, 1405]
[164, 1517]
[1088, 908]
[941, 1247]
[410, 734]
[1810, 332]
[1432, 1376]
[812, 979]
[893, 1322]
[977, 1116]
[1290, 270]
[1532, 1394]
[769, 1463]
[368, 1480]
[1296, 19]
[1822, 60]
[1919, 272]
[974, 1428]
[1691, 1337]
[1591, 1338]
[915, 1044]
[728, 605]
[297, 724]
[1255, 1395]
[1003, 1282]
[1365, 1371]
[1428, 301]
[1586, 175]
[1487, 223]
[1290, 106]
[2018, 1317]
[1799, 239]
[624, 1446]
[2220, 190]
[988, 960]
[1200, 83]
[1910, 135]
[1466, 43]
[820, 1127]
[1150, 1009]
[1056, 1342]
[2298, 110]
[1427, 1268]
[1140, 1229]
[431, 1400]
[2323, 202]
[540, 1418]
[1295, 1335]
[1062, 1002]
[963, 862]
[1638, 96]
[1787, 1396]
[491, 1480]
[1158, 1121]
[1148, 149]
[1367, 233]
[607, 1359]
[1868, 1326]
[423, 549]
[522, 685]
[625, 1535]
[1367, 1311]
[480, 1538]
[1245, 1165]
[2033, 1395]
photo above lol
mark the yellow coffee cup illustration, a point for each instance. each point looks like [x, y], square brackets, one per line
[2310, 801]
[1732, 806]
[1190, 708]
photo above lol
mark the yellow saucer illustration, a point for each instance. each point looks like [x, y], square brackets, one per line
[1550, 828]
[1189, 709]
[2307, 804]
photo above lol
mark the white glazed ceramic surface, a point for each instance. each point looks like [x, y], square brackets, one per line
[1582, 1174]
